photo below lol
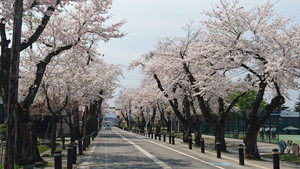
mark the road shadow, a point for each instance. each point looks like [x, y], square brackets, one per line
[99, 160]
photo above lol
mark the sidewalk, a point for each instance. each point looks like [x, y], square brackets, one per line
[50, 159]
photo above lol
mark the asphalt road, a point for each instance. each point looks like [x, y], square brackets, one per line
[120, 149]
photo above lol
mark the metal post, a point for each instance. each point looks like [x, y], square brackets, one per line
[89, 139]
[190, 142]
[275, 158]
[80, 147]
[74, 153]
[173, 139]
[57, 160]
[164, 137]
[151, 135]
[202, 145]
[170, 138]
[241, 154]
[159, 137]
[218, 146]
[84, 144]
[155, 135]
[70, 157]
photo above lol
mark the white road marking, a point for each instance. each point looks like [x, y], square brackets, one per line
[248, 163]
[157, 161]
[205, 162]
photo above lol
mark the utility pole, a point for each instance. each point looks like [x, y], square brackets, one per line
[12, 117]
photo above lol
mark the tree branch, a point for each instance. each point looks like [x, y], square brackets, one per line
[40, 29]
[41, 68]
[174, 104]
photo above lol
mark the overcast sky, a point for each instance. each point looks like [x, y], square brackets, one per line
[148, 20]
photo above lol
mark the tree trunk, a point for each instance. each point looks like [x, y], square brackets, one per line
[151, 122]
[158, 128]
[197, 129]
[71, 128]
[76, 126]
[61, 132]
[255, 121]
[186, 132]
[168, 123]
[12, 140]
[53, 133]
[143, 123]
[29, 153]
[219, 135]
[250, 141]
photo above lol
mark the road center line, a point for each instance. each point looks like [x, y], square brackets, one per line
[157, 161]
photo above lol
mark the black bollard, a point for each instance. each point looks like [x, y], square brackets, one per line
[155, 135]
[57, 160]
[159, 137]
[151, 135]
[70, 157]
[148, 135]
[202, 145]
[89, 140]
[275, 158]
[80, 147]
[241, 154]
[190, 142]
[218, 146]
[170, 139]
[84, 143]
[93, 137]
[74, 153]
[173, 140]
[164, 137]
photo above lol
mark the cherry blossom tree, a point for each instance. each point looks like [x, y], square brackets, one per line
[175, 66]
[123, 105]
[165, 67]
[80, 81]
[150, 98]
[260, 42]
[51, 28]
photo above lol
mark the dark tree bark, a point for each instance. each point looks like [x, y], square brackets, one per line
[256, 120]
[196, 119]
[220, 135]
[143, 122]
[12, 142]
[92, 117]
[187, 125]
[54, 120]
[76, 125]
[61, 131]
[151, 122]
